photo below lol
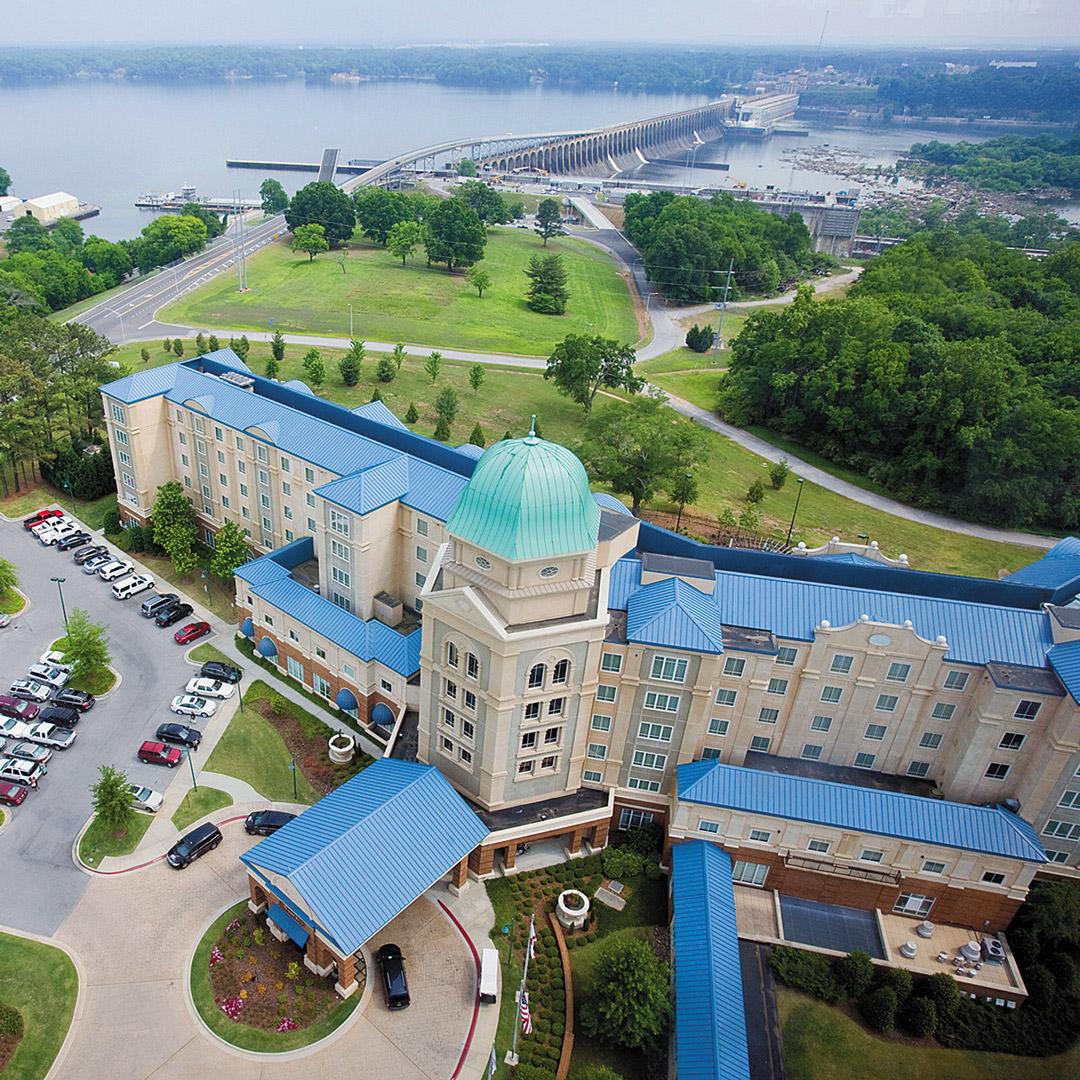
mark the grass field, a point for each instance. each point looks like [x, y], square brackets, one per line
[99, 841]
[40, 981]
[415, 304]
[822, 1043]
[199, 803]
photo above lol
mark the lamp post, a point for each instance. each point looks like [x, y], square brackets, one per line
[682, 499]
[60, 589]
[292, 769]
[191, 766]
[800, 481]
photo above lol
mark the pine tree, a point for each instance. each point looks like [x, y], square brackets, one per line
[167, 345]
[476, 376]
[144, 355]
[442, 430]
[243, 347]
[376, 395]
[507, 435]
[272, 368]
[200, 343]
[386, 371]
[178, 347]
[411, 414]
[214, 343]
[277, 346]
[314, 368]
[477, 436]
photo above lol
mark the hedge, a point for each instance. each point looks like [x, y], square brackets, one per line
[806, 971]
[878, 1008]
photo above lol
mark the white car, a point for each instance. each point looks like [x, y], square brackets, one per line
[55, 659]
[57, 533]
[210, 688]
[30, 690]
[51, 735]
[115, 569]
[144, 798]
[190, 705]
[46, 673]
[49, 524]
[14, 729]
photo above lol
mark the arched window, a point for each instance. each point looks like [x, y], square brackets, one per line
[536, 676]
[451, 654]
[561, 672]
[472, 666]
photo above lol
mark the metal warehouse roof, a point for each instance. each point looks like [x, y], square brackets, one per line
[1065, 660]
[360, 856]
[671, 612]
[990, 829]
[710, 1024]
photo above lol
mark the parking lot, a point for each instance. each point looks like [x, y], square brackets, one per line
[42, 883]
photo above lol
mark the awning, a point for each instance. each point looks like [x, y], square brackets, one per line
[346, 700]
[382, 715]
[267, 647]
[286, 922]
[247, 628]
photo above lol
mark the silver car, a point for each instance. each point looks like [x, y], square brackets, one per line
[144, 798]
[46, 673]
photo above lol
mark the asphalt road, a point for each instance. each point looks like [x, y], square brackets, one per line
[41, 883]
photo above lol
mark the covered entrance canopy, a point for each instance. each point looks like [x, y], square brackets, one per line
[295, 930]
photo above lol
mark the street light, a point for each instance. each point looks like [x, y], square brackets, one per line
[191, 766]
[292, 769]
[800, 481]
[59, 588]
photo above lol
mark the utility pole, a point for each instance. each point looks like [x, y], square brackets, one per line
[723, 310]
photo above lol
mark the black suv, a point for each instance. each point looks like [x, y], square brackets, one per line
[83, 554]
[64, 715]
[392, 969]
[76, 699]
[215, 669]
[265, 822]
[193, 846]
[172, 614]
[73, 541]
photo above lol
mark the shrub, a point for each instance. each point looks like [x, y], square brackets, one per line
[622, 863]
[920, 1017]
[386, 370]
[778, 473]
[899, 980]
[806, 971]
[595, 1072]
[11, 1022]
[854, 973]
[699, 338]
[1063, 967]
[111, 522]
[878, 1008]
[630, 1004]
[756, 493]
[652, 867]
[941, 989]
[645, 840]
[1041, 985]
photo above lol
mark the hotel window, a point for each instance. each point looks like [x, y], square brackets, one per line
[918, 768]
[552, 735]
[749, 873]
[646, 759]
[777, 686]
[549, 762]
[760, 743]
[768, 716]
[811, 751]
[598, 752]
[267, 525]
[871, 855]
[655, 732]
[898, 672]
[611, 661]
[734, 667]
[243, 491]
[286, 487]
[260, 452]
[605, 693]
[930, 740]
[339, 523]
[451, 654]
[727, 698]
[311, 526]
[760, 836]
[269, 620]
[208, 510]
[450, 689]
[200, 427]
[841, 664]
[786, 656]
[886, 703]
[125, 458]
[290, 536]
[864, 761]
[187, 481]
[320, 652]
[591, 776]
[446, 745]
[560, 673]
[203, 470]
[600, 722]
[293, 636]
[996, 770]
[930, 866]
[821, 723]
[241, 467]
[245, 513]
[179, 416]
[295, 668]
[1012, 740]
[1026, 710]
[708, 826]
[264, 477]
[468, 698]
[831, 694]
[340, 576]
[536, 676]
[634, 819]
[119, 415]
[641, 784]
[264, 501]
[285, 464]
[555, 706]
[719, 727]
[421, 527]
[310, 500]
[225, 502]
[349, 671]
[342, 602]
[1069, 799]
[339, 550]
[1062, 830]
[421, 554]
[309, 476]
[122, 438]
[184, 460]
[472, 666]
[820, 846]
[223, 480]
[200, 447]
[1057, 856]
[528, 740]
[239, 443]
[662, 702]
[875, 732]
[465, 756]
[943, 711]
[992, 877]
[532, 710]
[468, 728]
[955, 680]
[218, 434]
[710, 753]
[288, 514]
[130, 481]
[668, 669]
[913, 904]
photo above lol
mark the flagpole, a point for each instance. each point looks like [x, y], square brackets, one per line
[512, 1058]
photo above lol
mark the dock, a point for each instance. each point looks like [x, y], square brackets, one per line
[218, 204]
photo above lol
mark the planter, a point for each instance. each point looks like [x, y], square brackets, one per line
[572, 909]
[342, 748]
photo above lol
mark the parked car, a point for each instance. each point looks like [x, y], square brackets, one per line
[25, 711]
[49, 523]
[265, 822]
[63, 715]
[5, 619]
[52, 536]
[392, 972]
[215, 669]
[190, 705]
[30, 690]
[180, 734]
[29, 750]
[12, 794]
[76, 539]
[153, 604]
[83, 555]
[52, 736]
[55, 659]
[144, 798]
[211, 688]
[157, 753]
[46, 673]
[172, 614]
[116, 569]
[193, 846]
[95, 562]
[130, 586]
[21, 771]
[192, 632]
[76, 699]
[13, 729]
[39, 516]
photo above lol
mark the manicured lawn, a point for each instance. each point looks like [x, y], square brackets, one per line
[414, 303]
[205, 652]
[42, 984]
[250, 1038]
[251, 750]
[90, 513]
[822, 1043]
[197, 804]
[11, 602]
[99, 841]
[96, 683]
[684, 359]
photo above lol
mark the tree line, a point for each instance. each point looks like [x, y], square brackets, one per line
[950, 375]
[1012, 163]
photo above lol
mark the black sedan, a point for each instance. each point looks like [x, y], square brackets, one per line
[71, 698]
[73, 541]
[265, 822]
[85, 553]
[215, 669]
[392, 971]
[180, 734]
[173, 614]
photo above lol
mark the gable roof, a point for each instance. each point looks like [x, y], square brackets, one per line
[1058, 569]
[377, 411]
[990, 829]
[159, 380]
[710, 1022]
[671, 612]
[369, 488]
[1065, 660]
[361, 855]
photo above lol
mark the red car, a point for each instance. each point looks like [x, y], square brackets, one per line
[192, 632]
[39, 517]
[157, 753]
[18, 709]
[12, 794]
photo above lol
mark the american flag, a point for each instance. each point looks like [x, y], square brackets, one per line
[526, 1016]
[532, 938]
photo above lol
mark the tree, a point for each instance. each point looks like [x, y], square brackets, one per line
[684, 489]
[489, 205]
[941, 989]
[778, 474]
[399, 353]
[750, 519]
[466, 167]
[454, 235]
[548, 219]
[442, 430]
[214, 343]
[432, 365]
[411, 413]
[478, 278]
[699, 338]
[581, 366]
[175, 529]
[86, 646]
[167, 239]
[854, 972]
[641, 447]
[144, 355]
[272, 367]
[404, 238]
[376, 395]
[27, 234]
[322, 203]
[241, 346]
[277, 346]
[311, 239]
[516, 209]
[178, 347]
[756, 493]
[67, 237]
[8, 576]
[111, 799]
[109, 263]
[200, 343]
[378, 211]
[274, 199]
[5, 180]
[476, 436]
[385, 371]
[167, 344]
[630, 1004]
[547, 293]
[446, 405]
[215, 225]
[920, 1017]
[350, 363]
[314, 368]
[476, 377]
[230, 550]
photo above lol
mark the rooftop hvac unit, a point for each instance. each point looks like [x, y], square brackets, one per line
[238, 378]
[387, 609]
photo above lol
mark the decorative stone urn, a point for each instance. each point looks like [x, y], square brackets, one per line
[342, 747]
[572, 909]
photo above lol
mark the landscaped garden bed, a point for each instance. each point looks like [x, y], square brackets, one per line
[100, 841]
[96, 682]
[255, 992]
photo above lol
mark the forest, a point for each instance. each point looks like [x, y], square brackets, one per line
[949, 375]
[1012, 163]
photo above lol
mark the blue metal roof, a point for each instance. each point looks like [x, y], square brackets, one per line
[1065, 660]
[671, 612]
[295, 930]
[710, 1024]
[853, 558]
[299, 385]
[346, 700]
[990, 829]
[1058, 569]
[360, 856]
[154, 381]
[470, 450]
[609, 502]
[377, 411]
[267, 647]
[370, 488]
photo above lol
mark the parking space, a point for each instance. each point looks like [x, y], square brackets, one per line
[35, 850]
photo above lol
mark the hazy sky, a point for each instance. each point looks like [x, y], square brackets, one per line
[388, 22]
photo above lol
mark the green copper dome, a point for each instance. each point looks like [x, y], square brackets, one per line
[527, 499]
